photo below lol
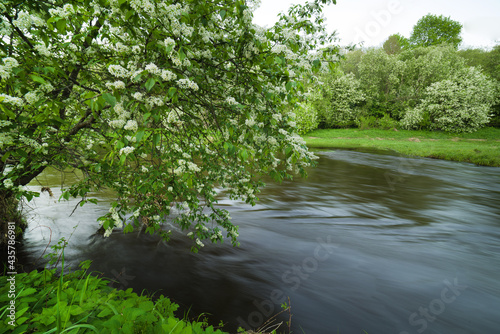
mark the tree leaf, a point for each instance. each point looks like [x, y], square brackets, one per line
[150, 83]
[109, 98]
[38, 79]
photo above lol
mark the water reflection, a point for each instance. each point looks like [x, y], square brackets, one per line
[367, 242]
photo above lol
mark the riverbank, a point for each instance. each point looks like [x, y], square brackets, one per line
[41, 301]
[481, 147]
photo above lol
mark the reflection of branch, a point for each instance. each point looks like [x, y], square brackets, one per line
[76, 206]
[50, 239]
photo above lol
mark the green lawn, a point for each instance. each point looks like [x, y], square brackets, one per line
[481, 147]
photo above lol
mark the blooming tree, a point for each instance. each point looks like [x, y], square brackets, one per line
[338, 100]
[461, 103]
[161, 101]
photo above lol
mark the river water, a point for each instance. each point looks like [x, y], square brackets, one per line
[369, 242]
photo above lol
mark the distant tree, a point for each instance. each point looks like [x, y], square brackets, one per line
[489, 62]
[350, 62]
[395, 44]
[474, 57]
[492, 64]
[338, 100]
[461, 103]
[434, 30]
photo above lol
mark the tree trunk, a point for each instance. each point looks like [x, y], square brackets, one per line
[11, 219]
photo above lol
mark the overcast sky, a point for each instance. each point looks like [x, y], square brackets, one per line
[372, 21]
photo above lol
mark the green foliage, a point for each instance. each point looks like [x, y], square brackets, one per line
[82, 303]
[396, 83]
[372, 122]
[381, 77]
[158, 100]
[489, 62]
[350, 62]
[423, 87]
[435, 30]
[461, 103]
[426, 65]
[395, 44]
[338, 100]
[307, 118]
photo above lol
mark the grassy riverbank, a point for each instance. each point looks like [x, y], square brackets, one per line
[481, 147]
[78, 302]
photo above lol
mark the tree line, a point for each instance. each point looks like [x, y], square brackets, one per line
[423, 82]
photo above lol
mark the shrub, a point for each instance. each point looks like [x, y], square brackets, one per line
[338, 101]
[306, 118]
[370, 122]
[459, 104]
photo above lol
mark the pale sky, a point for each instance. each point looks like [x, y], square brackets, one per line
[372, 21]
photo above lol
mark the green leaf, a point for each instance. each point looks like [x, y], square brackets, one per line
[76, 310]
[27, 292]
[150, 83]
[223, 14]
[139, 135]
[6, 156]
[61, 26]
[38, 79]
[243, 155]
[105, 313]
[128, 228]
[156, 139]
[182, 55]
[172, 91]
[129, 14]
[109, 98]
[9, 113]
[20, 329]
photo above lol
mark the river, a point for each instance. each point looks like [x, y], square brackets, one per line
[369, 242]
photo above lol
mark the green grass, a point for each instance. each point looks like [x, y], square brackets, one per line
[481, 147]
[77, 302]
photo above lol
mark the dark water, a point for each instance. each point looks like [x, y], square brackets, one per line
[369, 242]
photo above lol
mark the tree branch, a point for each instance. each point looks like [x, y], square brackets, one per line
[19, 31]
[83, 86]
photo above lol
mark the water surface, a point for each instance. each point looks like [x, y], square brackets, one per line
[369, 242]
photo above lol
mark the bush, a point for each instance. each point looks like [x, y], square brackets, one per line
[338, 101]
[459, 104]
[372, 122]
[306, 118]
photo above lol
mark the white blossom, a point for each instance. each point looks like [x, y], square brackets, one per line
[131, 125]
[8, 183]
[186, 83]
[118, 71]
[127, 150]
